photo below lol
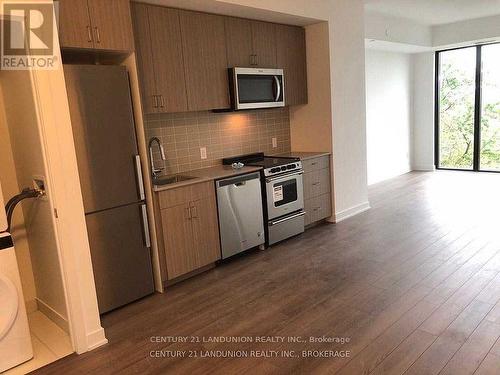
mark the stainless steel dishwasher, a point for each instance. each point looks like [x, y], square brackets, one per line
[241, 222]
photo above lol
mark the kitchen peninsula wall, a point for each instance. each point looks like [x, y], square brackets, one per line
[223, 134]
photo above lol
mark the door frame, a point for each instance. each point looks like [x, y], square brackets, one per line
[477, 109]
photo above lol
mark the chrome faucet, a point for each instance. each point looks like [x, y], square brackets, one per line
[155, 171]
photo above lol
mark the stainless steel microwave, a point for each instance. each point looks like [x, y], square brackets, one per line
[256, 88]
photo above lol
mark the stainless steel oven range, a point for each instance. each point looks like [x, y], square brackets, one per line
[282, 192]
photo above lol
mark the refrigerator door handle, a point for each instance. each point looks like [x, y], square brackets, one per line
[145, 223]
[140, 181]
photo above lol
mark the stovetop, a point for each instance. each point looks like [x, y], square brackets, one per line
[272, 164]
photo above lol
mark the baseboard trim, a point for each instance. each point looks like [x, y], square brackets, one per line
[423, 168]
[96, 339]
[31, 306]
[352, 211]
[53, 315]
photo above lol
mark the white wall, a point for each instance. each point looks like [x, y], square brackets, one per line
[423, 111]
[389, 113]
[466, 32]
[347, 70]
[383, 27]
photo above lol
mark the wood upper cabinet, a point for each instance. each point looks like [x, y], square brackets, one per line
[205, 61]
[250, 43]
[190, 228]
[159, 55]
[264, 44]
[112, 25]
[291, 56]
[75, 29]
[144, 55]
[96, 24]
[239, 42]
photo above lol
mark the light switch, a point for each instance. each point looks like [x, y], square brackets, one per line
[275, 142]
[203, 152]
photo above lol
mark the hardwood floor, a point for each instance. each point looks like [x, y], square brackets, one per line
[414, 283]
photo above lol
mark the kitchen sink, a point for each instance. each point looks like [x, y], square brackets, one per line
[167, 180]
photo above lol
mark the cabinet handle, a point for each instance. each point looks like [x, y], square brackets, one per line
[314, 163]
[188, 213]
[195, 215]
[98, 34]
[89, 34]
[162, 101]
[315, 184]
[155, 101]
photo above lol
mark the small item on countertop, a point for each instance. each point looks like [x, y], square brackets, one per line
[238, 165]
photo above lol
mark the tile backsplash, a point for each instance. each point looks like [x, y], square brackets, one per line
[223, 134]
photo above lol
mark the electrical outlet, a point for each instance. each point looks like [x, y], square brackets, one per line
[203, 152]
[275, 142]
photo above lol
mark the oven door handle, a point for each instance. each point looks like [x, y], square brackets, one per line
[271, 179]
[279, 221]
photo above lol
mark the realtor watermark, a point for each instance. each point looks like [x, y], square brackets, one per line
[28, 36]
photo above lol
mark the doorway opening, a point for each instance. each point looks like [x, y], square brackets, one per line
[467, 113]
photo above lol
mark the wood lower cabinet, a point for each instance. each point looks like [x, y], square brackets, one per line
[180, 254]
[317, 189]
[189, 228]
[205, 60]
[96, 24]
[291, 56]
[205, 231]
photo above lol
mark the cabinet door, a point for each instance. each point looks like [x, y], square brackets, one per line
[205, 61]
[180, 254]
[166, 46]
[291, 56]
[112, 24]
[144, 53]
[205, 231]
[239, 42]
[264, 44]
[75, 30]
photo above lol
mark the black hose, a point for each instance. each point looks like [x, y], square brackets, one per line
[12, 203]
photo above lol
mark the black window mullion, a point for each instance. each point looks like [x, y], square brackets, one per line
[477, 112]
[436, 111]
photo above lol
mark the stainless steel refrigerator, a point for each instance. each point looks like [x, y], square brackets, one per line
[111, 181]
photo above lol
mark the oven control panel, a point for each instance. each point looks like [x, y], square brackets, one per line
[295, 166]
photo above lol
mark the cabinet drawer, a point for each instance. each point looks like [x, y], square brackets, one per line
[185, 194]
[316, 183]
[318, 208]
[321, 162]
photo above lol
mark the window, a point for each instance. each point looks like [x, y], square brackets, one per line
[468, 108]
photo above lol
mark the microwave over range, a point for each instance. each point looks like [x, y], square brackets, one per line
[253, 88]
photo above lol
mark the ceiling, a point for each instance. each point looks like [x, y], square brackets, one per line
[229, 9]
[435, 12]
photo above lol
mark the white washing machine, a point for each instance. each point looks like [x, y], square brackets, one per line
[15, 339]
